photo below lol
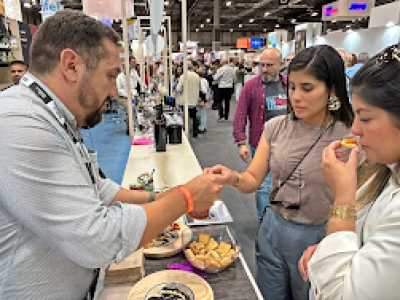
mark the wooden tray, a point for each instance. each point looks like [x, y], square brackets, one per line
[198, 285]
[184, 238]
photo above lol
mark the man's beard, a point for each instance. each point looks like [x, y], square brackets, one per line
[95, 117]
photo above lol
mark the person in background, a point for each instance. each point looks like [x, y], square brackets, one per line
[286, 63]
[262, 98]
[204, 97]
[291, 148]
[359, 257]
[59, 221]
[225, 76]
[134, 81]
[193, 93]
[361, 60]
[17, 69]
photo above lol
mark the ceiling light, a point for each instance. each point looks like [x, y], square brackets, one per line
[27, 5]
[314, 14]
[333, 21]
[166, 3]
[240, 25]
[251, 20]
[208, 20]
[277, 26]
[266, 14]
[197, 30]
[348, 26]
[231, 30]
[265, 29]
[228, 3]
[202, 25]
[293, 20]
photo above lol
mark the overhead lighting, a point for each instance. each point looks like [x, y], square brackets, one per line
[197, 30]
[228, 3]
[27, 5]
[266, 14]
[166, 3]
[333, 21]
[314, 14]
[277, 26]
[231, 30]
[33, 2]
[390, 24]
[348, 25]
[265, 29]
[208, 20]
[240, 25]
[293, 20]
[201, 25]
[251, 20]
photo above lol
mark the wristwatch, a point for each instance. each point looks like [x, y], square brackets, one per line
[344, 212]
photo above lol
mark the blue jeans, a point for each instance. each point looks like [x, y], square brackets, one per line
[263, 192]
[202, 113]
[279, 246]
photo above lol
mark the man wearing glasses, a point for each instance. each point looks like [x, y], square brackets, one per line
[262, 98]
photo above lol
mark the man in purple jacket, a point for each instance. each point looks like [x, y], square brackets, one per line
[262, 98]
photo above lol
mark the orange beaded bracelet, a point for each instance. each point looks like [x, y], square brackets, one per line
[187, 195]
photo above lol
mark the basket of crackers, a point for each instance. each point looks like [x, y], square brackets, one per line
[211, 252]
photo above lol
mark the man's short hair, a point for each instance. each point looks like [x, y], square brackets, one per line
[18, 62]
[73, 30]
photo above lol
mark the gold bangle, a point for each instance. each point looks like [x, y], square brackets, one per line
[344, 212]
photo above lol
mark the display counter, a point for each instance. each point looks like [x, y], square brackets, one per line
[176, 166]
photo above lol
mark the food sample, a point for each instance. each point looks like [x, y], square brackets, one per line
[207, 253]
[167, 237]
[349, 142]
[172, 291]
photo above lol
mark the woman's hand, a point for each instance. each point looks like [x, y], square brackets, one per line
[340, 176]
[303, 261]
[224, 175]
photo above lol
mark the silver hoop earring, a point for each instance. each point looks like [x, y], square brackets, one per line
[333, 103]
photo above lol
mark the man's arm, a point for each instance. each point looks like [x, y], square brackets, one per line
[241, 115]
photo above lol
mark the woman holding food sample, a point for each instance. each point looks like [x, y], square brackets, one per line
[359, 257]
[291, 148]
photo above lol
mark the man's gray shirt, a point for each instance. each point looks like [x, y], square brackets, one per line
[56, 227]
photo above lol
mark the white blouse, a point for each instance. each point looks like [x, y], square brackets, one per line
[341, 269]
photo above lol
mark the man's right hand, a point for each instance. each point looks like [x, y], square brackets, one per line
[205, 190]
[244, 152]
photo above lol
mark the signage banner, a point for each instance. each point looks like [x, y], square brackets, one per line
[50, 7]
[13, 9]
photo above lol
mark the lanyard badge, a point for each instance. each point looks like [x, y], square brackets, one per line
[50, 103]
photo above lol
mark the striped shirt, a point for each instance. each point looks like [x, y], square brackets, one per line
[56, 226]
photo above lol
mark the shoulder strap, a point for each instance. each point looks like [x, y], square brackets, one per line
[275, 191]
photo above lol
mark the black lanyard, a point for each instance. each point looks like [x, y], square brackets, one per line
[50, 103]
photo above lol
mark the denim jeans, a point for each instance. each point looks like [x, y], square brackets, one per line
[279, 246]
[202, 113]
[263, 192]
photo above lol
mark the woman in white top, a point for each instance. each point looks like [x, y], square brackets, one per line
[360, 256]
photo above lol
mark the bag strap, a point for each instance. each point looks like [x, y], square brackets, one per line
[275, 191]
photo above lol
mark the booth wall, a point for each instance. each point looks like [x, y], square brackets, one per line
[370, 40]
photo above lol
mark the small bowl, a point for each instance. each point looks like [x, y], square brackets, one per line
[155, 293]
[217, 258]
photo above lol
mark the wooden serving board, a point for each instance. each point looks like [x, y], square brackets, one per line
[129, 270]
[184, 238]
[201, 289]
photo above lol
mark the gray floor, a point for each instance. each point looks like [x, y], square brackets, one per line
[217, 147]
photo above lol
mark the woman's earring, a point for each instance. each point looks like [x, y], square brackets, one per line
[333, 103]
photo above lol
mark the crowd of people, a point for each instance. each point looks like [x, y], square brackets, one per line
[329, 223]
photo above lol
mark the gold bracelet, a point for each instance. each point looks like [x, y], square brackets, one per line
[344, 211]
